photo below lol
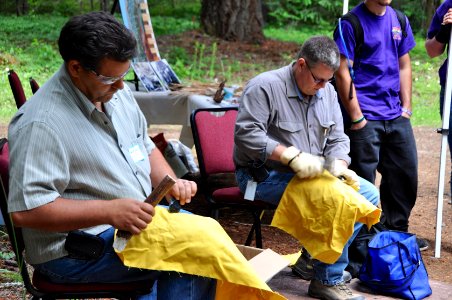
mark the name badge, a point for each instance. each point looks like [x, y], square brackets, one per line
[135, 153]
[250, 191]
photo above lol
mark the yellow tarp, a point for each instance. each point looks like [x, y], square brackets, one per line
[321, 212]
[195, 245]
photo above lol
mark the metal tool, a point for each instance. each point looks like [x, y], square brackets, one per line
[174, 206]
[122, 236]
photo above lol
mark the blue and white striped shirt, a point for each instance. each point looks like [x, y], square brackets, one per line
[62, 146]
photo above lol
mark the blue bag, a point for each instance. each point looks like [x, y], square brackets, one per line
[394, 266]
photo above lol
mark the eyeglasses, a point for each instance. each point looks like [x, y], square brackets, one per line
[109, 79]
[316, 80]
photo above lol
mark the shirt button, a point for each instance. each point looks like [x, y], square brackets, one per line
[310, 126]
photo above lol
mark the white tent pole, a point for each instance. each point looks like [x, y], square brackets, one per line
[345, 7]
[442, 166]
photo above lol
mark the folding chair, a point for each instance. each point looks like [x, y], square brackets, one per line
[16, 87]
[213, 133]
[34, 85]
[39, 286]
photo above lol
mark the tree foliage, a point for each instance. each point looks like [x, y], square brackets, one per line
[323, 12]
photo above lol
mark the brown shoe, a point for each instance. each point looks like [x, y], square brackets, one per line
[331, 292]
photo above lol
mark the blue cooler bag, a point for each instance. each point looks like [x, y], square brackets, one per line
[394, 266]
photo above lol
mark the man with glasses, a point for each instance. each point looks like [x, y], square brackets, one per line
[81, 164]
[378, 104]
[288, 121]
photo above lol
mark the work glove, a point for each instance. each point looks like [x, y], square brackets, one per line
[304, 165]
[348, 176]
[443, 34]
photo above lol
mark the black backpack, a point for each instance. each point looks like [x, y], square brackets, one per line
[359, 40]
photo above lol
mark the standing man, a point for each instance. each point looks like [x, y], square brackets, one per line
[81, 160]
[288, 120]
[438, 36]
[381, 136]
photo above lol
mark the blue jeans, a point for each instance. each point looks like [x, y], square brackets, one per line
[272, 189]
[389, 147]
[109, 268]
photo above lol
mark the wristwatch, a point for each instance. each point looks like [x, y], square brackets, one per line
[405, 110]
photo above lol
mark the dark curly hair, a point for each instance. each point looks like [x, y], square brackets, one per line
[91, 37]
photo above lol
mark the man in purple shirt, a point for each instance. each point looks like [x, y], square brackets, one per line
[379, 107]
[438, 36]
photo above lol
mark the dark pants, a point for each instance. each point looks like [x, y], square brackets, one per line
[388, 147]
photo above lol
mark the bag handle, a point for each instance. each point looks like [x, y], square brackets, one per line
[390, 284]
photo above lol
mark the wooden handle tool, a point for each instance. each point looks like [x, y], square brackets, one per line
[157, 194]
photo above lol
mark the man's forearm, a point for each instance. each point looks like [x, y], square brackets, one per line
[405, 81]
[64, 215]
[343, 81]
[434, 48]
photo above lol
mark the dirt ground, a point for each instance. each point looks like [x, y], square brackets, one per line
[237, 224]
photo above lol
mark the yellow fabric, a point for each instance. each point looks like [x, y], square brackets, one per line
[292, 258]
[195, 245]
[321, 212]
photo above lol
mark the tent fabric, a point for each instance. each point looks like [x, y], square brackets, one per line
[195, 245]
[321, 213]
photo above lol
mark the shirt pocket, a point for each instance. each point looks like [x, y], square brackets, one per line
[325, 130]
[290, 126]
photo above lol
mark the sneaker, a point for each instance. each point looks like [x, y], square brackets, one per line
[332, 292]
[423, 244]
[304, 269]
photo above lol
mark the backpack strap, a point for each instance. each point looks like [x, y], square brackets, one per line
[359, 39]
[402, 20]
[357, 31]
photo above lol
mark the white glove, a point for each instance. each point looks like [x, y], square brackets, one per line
[305, 165]
[339, 170]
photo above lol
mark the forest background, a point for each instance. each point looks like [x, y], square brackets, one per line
[30, 29]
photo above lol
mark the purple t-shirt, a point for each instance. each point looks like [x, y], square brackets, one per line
[377, 76]
[435, 25]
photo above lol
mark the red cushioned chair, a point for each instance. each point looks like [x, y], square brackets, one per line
[39, 286]
[213, 133]
[17, 89]
[34, 85]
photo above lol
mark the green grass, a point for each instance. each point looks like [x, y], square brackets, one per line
[28, 45]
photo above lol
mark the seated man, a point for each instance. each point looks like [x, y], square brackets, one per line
[81, 159]
[288, 120]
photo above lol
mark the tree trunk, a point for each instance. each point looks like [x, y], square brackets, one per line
[430, 8]
[233, 20]
[104, 5]
[21, 7]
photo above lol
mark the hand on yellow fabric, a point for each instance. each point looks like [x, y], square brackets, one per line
[351, 178]
[305, 165]
[340, 170]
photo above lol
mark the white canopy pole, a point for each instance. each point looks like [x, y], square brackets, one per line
[442, 166]
[345, 7]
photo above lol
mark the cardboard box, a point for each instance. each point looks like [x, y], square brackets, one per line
[266, 262]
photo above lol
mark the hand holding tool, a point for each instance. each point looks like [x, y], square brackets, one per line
[157, 194]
